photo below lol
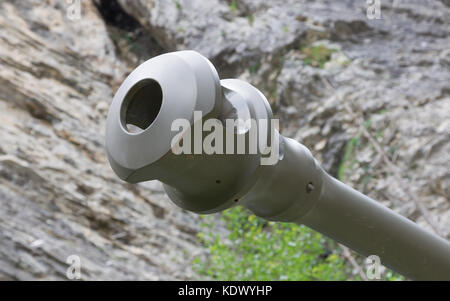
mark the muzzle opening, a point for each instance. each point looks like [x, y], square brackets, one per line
[141, 105]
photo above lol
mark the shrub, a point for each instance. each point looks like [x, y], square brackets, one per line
[317, 56]
[255, 249]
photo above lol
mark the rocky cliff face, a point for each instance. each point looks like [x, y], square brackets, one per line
[375, 111]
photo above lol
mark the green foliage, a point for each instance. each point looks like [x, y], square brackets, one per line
[253, 68]
[255, 249]
[233, 6]
[177, 4]
[251, 19]
[317, 56]
[345, 162]
[389, 275]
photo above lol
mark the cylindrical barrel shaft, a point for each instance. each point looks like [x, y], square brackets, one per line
[369, 228]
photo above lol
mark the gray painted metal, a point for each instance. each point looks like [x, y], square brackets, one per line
[370, 228]
[295, 189]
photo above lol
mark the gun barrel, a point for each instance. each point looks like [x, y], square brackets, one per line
[370, 228]
[292, 188]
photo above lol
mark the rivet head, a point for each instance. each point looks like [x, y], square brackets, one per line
[309, 187]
